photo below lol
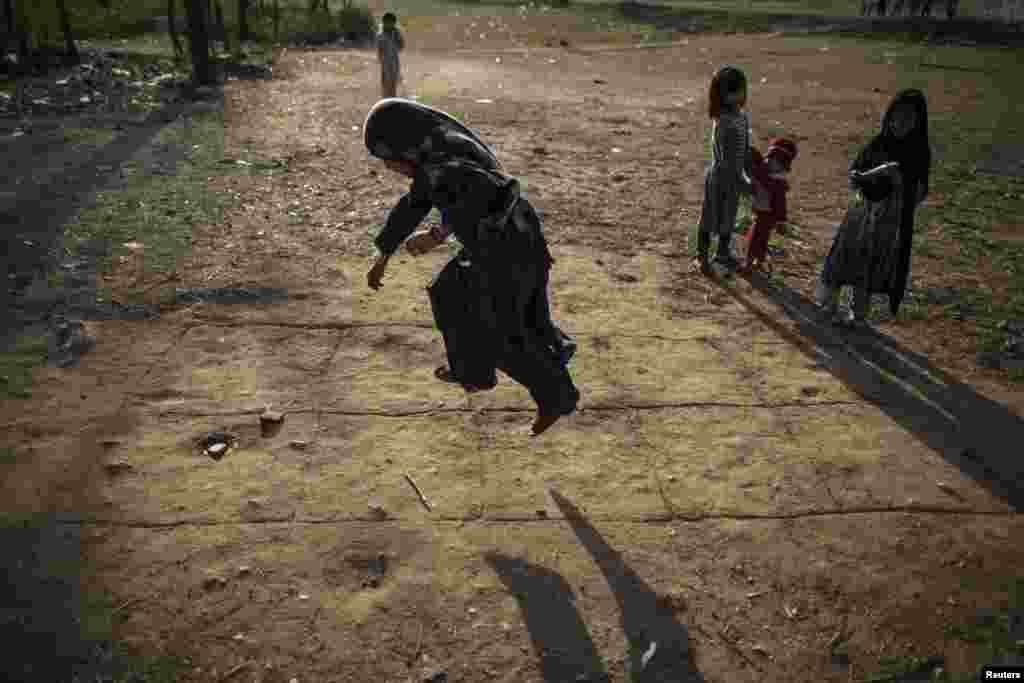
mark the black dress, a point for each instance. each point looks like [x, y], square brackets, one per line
[490, 301]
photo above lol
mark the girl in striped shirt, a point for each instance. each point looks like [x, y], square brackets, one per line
[729, 173]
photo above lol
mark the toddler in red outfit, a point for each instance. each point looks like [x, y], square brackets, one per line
[769, 175]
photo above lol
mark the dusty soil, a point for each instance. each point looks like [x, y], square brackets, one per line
[743, 486]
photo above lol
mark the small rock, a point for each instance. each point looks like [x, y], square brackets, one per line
[118, 467]
[272, 416]
[216, 450]
[439, 677]
[377, 511]
[540, 150]
[563, 42]
[214, 582]
[244, 570]
[542, 514]
[299, 445]
[761, 650]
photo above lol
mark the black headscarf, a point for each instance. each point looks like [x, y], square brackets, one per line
[397, 129]
[913, 153]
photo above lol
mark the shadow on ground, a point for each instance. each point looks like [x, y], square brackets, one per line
[968, 430]
[559, 634]
[42, 193]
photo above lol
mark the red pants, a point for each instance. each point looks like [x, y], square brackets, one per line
[760, 233]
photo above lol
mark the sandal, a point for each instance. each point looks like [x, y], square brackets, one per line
[444, 374]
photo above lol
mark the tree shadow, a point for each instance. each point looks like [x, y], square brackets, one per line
[561, 638]
[33, 213]
[968, 430]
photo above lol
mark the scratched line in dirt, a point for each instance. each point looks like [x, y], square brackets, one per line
[651, 520]
[624, 407]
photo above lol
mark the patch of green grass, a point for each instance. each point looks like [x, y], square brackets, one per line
[160, 210]
[790, 231]
[167, 296]
[17, 364]
[993, 639]
[55, 279]
[959, 229]
[55, 576]
[88, 137]
[8, 456]
[136, 296]
[895, 669]
[927, 249]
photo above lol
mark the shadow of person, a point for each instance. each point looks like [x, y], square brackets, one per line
[645, 620]
[560, 638]
[968, 430]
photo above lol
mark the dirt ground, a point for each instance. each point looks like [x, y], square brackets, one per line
[743, 487]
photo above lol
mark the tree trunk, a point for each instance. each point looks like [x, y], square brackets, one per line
[9, 11]
[69, 36]
[277, 21]
[199, 38]
[243, 21]
[22, 31]
[222, 26]
[172, 28]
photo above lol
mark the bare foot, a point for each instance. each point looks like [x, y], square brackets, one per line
[542, 423]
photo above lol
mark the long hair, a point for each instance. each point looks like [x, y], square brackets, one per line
[727, 81]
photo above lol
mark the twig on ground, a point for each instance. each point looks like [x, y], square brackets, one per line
[234, 670]
[419, 493]
[419, 644]
[129, 603]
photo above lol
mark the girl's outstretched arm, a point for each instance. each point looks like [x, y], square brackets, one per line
[402, 221]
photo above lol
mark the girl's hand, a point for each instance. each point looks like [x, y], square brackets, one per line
[420, 243]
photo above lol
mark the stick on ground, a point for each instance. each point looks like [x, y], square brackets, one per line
[419, 493]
